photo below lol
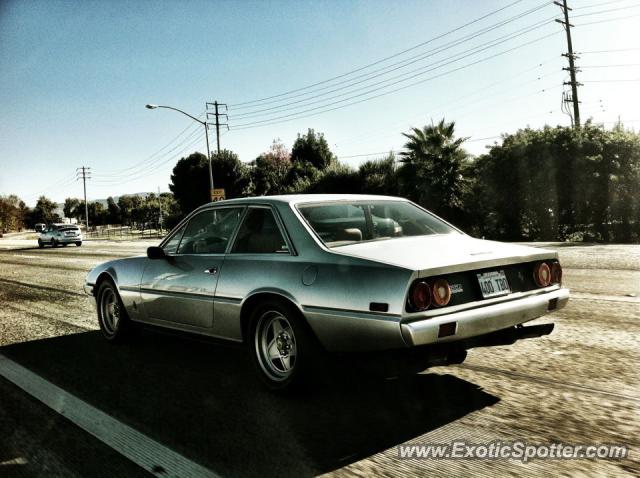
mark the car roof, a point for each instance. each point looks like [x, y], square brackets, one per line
[307, 198]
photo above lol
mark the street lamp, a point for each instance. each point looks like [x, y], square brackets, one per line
[206, 134]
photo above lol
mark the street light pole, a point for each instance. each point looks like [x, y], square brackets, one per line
[206, 134]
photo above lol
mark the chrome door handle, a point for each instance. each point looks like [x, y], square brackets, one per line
[211, 270]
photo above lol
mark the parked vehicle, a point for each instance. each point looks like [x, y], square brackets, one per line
[295, 277]
[60, 235]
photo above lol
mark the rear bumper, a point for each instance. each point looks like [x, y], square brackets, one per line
[68, 240]
[466, 324]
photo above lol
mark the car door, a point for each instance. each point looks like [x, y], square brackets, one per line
[261, 258]
[180, 288]
[47, 234]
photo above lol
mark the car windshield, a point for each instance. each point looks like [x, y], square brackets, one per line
[341, 223]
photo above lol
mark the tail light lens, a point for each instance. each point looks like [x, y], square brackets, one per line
[556, 273]
[542, 274]
[441, 293]
[420, 296]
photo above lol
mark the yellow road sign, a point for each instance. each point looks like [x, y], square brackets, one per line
[218, 195]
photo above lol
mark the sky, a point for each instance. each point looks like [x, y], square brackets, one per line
[75, 77]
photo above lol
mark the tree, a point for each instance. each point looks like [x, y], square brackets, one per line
[190, 182]
[336, 179]
[71, 207]
[380, 176]
[113, 212]
[97, 214]
[190, 178]
[171, 213]
[129, 205]
[312, 148]
[300, 177]
[560, 183]
[230, 173]
[13, 213]
[270, 169]
[44, 212]
[431, 170]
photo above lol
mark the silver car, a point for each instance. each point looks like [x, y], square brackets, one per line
[60, 235]
[295, 277]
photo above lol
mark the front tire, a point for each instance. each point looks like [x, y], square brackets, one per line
[78, 243]
[40, 244]
[54, 243]
[112, 316]
[283, 347]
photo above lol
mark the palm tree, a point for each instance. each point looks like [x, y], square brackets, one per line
[431, 171]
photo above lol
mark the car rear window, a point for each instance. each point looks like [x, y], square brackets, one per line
[341, 223]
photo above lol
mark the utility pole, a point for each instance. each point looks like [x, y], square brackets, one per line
[84, 173]
[572, 67]
[217, 115]
[159, 211]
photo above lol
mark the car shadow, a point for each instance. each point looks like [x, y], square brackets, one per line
[203, 400]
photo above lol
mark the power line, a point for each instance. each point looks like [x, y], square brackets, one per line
[461, 98]
[144, 167]
[150, 157]
[366, 154]
[406, 76]
[442, 35]
[294, 116]
[608, 51]
[151, 171]
[613, 81]
[599, 4]
[67, 180]
[389, 68]
[610, 66]
[607, 11]
[614, 19]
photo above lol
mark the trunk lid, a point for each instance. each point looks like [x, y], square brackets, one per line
[445, 253]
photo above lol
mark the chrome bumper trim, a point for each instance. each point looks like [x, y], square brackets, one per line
[482, 320]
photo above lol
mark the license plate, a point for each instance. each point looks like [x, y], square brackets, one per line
[493, 284]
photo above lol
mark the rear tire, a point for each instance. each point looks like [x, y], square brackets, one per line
[40, 244]
[112, 316]
[78, 243]
[282, 346]
[54, 243]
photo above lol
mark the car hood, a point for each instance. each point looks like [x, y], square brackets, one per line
[441, 253]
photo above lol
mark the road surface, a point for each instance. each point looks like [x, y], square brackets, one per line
[200, 400]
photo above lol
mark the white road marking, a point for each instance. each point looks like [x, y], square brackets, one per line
[605, 297]
[154, 457]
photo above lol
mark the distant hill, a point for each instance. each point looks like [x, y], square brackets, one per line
[115, 198]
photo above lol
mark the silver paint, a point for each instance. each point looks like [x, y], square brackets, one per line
[332, 288]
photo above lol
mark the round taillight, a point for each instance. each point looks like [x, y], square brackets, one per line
[556, 273]
[441, 292]
[421, 296]
[542, 275]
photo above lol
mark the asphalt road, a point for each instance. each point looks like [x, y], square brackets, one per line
[579, 385]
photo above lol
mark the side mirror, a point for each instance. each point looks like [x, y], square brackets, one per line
[155, 252]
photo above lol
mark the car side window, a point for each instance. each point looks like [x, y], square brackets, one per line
[209, 231]
[259, 234]
[171, 247]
